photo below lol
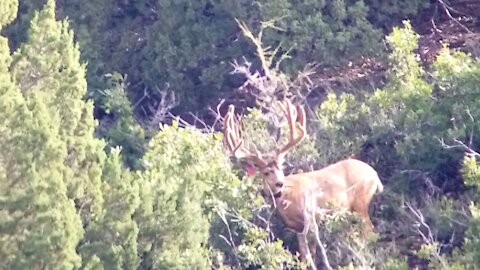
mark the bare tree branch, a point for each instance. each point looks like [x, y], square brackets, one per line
[428, 237]
[140, 100]
[447, 9]
[459, 144]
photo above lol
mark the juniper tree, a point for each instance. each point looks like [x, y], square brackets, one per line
[184, 169]
[48, 63]
[111, 240]
[48, 155]
[8, 11]
[16, 32]
[39, 227]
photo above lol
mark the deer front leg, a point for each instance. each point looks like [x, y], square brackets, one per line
[367, 226]
[305, 255]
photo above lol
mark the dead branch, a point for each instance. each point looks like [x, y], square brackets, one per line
[205, 128]
[420, 223]
[218, 116]
[265, 54]
[140, 100]
[180, 121]
[459, 144]
[432, 19]
[447, 10]
[160, 111]
[428, 238]
[222, 213]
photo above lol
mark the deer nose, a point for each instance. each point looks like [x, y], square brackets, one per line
[279, 184]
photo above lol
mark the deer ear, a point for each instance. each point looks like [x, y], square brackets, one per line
[250, 170]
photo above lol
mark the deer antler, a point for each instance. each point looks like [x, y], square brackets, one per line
[296, 121]
[234, 143]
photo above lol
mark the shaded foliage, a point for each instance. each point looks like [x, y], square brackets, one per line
[69, 202]
[187, 45]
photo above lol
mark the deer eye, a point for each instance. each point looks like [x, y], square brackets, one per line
[266, 173]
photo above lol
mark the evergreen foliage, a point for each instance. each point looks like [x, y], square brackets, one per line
[121, 128]
[8, 10]
[39, 226]
[184, 169]
[16, 31]
[97, 28]
[190, 46]
[48, 64]
[68, 200]
[157, 46]
[328, 32]
[387, 13]
[420, 125]
[111, 240]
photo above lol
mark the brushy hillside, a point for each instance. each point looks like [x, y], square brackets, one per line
[111, 155]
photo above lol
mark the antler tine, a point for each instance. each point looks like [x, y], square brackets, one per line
[233, 141]
[231, 138]
[296, 121]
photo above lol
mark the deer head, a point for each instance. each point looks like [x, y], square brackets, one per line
[270, 166]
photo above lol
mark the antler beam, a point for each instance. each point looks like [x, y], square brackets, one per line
[234, 143]
[296, 122]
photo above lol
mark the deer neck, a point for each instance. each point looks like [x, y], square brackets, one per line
[289, 212]
[276, 196]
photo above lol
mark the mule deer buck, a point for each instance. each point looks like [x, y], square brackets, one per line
[348, 184]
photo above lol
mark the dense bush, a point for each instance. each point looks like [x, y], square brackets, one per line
[50, 163]
[389, 13]
[415, 131]
[183, 169]
[158, 47]
[119, 126]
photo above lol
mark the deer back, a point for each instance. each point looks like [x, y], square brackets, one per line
[347, 185]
